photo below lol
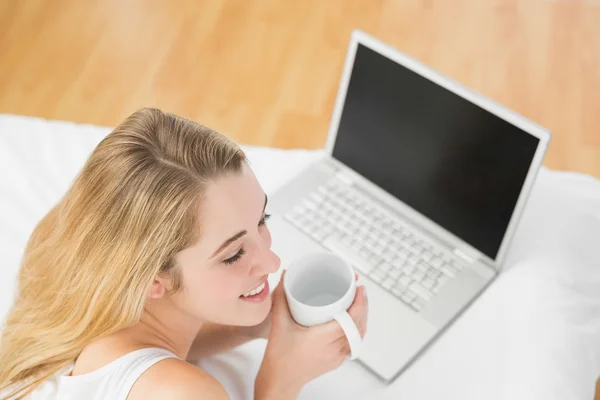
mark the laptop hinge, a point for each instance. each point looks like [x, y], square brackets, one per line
[464, 256]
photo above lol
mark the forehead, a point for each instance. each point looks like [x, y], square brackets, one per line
[230, 203]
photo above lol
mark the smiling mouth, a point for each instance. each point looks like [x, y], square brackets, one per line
[255, 291]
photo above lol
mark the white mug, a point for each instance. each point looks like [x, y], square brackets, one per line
[319, 288]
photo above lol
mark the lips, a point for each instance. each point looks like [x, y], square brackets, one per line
[258, 294]
[255, 291]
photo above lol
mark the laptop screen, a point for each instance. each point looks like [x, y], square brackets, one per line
[454, 162]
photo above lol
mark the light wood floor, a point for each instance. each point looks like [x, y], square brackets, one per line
[266, 72]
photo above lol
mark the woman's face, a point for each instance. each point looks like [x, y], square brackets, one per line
[233, 256]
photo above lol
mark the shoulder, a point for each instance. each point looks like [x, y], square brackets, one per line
[172, 378]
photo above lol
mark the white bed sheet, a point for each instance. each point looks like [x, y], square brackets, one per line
[534, 334]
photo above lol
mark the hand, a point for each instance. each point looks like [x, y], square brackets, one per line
[261, 331]
[296, 354]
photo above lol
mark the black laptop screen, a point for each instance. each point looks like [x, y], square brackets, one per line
[456, 163]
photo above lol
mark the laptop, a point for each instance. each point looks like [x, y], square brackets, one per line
[420, 190]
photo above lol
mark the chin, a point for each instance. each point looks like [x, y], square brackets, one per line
[254, 314]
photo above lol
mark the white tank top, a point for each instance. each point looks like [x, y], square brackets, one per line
[112, 381]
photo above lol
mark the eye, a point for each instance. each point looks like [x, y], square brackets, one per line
[264, 219]
[236, 257]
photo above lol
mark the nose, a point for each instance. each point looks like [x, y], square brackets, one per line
[265, 262]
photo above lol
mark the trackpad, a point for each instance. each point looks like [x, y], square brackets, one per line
[395, 333]
[453, 298]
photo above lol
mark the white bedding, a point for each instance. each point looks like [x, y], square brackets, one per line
[535, 334]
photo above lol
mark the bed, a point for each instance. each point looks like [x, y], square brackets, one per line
[534, 334]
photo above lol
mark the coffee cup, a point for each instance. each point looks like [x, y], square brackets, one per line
[320, 287]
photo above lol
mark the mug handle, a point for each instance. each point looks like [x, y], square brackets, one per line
[351, 331]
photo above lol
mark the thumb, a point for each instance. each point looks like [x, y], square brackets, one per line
[280, 305]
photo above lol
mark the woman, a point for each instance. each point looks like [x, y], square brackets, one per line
[158, 253]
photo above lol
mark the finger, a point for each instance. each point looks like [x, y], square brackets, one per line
[280, 304]
[355, 277]
[331, 330]
[345, 351]
[343, 346]
[359, 309]
[362, 327]
[280, 283]
[342, 343]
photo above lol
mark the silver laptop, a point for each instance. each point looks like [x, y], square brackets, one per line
[421, 190]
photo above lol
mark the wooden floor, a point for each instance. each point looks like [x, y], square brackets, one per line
[266, 72]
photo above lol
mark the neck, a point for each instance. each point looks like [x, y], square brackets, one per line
[164, 325]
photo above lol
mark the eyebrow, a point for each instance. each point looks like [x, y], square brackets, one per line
[237, 235]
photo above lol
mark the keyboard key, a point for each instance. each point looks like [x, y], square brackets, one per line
[452, 267]
[364, 253]
[417, 275]
[384, 266]
[433, 274]
[450, 272]
[410, 296]
[436, 263]
[412, 260]
[378, 249]
[418, 304]
[447, 259]
[388, 253]
[408, 269]
[442, 279]
[375, 259]
[404, 281]
[420, 291]
[402, 254]
[398, 291]
[373, 236]
[395, 273]
[377, 275]
[348, 253]
[428, 283]
[422, 267]
[397, 261]
[346, 240]
[369, 246]
[388, 283]
[387, 230]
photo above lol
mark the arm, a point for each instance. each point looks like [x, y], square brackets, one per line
[268, 386]
[215, 338]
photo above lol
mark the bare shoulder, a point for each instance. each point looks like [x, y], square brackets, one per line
[172, 378]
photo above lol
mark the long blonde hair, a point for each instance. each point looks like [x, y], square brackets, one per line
[90, 262]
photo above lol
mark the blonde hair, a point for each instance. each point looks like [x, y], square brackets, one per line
[90, 262]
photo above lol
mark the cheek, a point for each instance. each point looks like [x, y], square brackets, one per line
[217, 284]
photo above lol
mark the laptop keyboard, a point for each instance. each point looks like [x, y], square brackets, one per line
[380, 246]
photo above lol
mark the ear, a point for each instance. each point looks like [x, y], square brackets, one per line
[158, 288]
